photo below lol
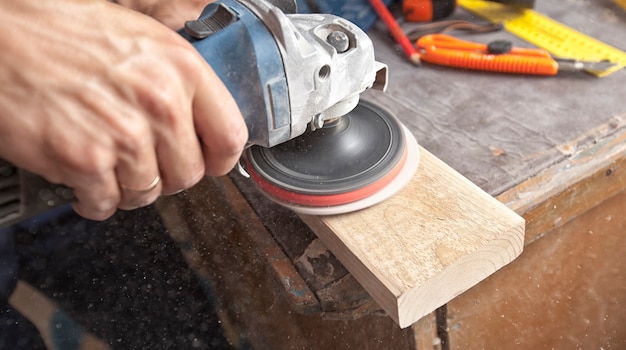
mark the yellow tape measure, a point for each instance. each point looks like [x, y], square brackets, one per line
[558, 39]
[621, 3]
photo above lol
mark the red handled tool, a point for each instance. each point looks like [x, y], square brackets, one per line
[498, 56]
[396, 31]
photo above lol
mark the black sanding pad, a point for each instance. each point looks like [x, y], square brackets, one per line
[347, 160]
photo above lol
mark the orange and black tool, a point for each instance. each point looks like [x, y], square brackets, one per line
[427, 10]
[431, 10]
[498, 56]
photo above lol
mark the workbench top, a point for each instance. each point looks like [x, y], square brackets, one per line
[500, 129]
[522, 139]
[550, 148]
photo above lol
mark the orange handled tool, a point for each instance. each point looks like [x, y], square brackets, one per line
[449, 51]
[500, 56]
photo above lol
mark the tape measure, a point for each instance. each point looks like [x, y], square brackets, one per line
[621, 3]
[558, 39]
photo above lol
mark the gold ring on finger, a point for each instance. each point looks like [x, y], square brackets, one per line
[148, 188]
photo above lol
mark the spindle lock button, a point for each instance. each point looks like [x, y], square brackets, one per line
[221, 17]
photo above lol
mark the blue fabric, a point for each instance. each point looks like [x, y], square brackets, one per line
[359, 12]
[9, 261]
[65, 332]
[123, 279]
[16, 332]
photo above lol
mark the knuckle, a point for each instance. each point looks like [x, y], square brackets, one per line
[190, 178]
[190, 62]
[146, 200]
[163, 105]
[159, 101]
[221, 159]
[234, 142]
[98, 210]
[103, 206]
[89, 161]
[134, 139]
[80, 156]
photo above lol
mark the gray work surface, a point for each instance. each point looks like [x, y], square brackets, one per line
[501, 129]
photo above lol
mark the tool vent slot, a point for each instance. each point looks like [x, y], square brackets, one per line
[10, 192]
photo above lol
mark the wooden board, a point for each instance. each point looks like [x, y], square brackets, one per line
[434, 240]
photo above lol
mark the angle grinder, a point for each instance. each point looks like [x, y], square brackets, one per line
[297, 78]
[314, 146]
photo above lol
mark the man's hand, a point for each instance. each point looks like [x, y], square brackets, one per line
[108, 102]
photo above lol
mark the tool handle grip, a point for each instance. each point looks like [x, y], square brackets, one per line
[495, 63]
[457, 53]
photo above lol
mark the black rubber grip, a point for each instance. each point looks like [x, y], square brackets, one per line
[443, 8]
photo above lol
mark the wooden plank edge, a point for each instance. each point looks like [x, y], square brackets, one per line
[436, 288]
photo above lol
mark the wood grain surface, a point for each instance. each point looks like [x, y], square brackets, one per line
[435, 239]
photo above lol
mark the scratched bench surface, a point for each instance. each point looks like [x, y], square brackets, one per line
[500, 129]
